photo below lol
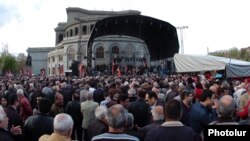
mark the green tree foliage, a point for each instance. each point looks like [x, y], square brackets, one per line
[9, 63]
[220, 54]
[234, 53]
[244, 55]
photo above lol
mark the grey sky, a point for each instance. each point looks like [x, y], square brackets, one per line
[213, 24]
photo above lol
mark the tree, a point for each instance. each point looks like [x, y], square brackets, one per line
[244, 55]
[220, 54]
[234, 53]
[9, 63]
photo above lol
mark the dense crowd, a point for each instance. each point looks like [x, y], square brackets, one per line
[127, 107]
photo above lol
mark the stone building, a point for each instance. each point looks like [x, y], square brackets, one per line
[99, 39]
[39, 58]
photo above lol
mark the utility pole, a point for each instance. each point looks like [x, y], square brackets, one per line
[181, 34]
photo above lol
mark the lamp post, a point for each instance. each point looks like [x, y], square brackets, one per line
[181, 34]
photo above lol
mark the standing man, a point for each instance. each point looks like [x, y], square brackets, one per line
[202, 113]
[172, 129]
[140, 109]
[25, 108]
[63, 126]
[88, 112]
[116, 119]
[39, 124]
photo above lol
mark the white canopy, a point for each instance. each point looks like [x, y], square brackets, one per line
[196, 63]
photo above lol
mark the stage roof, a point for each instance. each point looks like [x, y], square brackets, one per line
[160, 36]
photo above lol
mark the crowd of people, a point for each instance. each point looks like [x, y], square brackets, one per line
[125, 107]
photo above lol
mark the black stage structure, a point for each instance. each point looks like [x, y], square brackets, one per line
[160, 37]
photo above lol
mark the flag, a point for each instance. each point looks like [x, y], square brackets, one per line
[61, 69]
[118, 71]
[81, 69]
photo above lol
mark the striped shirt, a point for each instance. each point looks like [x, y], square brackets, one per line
[114, 137]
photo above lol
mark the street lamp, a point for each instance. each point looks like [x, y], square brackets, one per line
[181, 34]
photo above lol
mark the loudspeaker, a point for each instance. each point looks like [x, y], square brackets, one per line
[74, 68]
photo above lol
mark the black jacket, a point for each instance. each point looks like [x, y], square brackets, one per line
[36, 126]
[5, 135]
[141, 111]
[14, 119]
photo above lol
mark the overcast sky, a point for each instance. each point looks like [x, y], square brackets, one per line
[212, 24]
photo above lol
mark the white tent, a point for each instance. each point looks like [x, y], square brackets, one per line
[196, 63]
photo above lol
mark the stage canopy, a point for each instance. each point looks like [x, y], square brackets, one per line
[160, 36]
[198, 63]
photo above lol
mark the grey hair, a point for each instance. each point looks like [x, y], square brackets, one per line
[100, 112]
[132, 92]
[157, 114]
[83, 95]
[89, 95]
[226, 106]
[117, 116]
[162, 96]
[19, 92]
[225, 85]
[63, 123]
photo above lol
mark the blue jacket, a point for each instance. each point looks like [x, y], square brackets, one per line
[201, 116]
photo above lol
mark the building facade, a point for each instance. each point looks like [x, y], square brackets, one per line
[39, 57]
[72, 39]
[93, 41]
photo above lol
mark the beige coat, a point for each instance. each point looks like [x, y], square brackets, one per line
[54, 137]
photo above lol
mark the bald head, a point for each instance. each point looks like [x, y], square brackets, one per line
[226, 106]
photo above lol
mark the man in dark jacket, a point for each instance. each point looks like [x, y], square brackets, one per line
[202, 113]
[39, 124]
[99, 125]
[172, 129]
[14, 117]
[4, 133]
[140, 109]
[73, 108]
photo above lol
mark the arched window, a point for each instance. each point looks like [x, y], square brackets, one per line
[76, 31]
[115, 50]
[84, 30]
[71, 53]
[71, 32]
[100, 52]
[129, 51]
[60, 57]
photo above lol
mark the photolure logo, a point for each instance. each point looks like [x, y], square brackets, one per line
[215, 132]
[232, 132]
